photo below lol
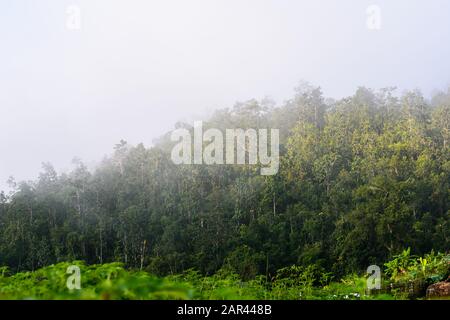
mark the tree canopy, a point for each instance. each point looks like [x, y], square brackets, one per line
[360, 179]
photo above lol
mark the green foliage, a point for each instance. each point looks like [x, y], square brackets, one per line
[432, 267]
[107, 282]
[113, 282]
[361, 178]
[410, 275]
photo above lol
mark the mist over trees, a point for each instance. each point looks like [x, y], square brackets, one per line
[360, 179]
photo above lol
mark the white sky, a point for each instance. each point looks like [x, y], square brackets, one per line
[137, 67]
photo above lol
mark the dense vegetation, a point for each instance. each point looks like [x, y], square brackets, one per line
[112, 281]
[361, 179]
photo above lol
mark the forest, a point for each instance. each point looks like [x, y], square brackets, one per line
[362, 180]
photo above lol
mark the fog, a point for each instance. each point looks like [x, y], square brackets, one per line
[131, 69]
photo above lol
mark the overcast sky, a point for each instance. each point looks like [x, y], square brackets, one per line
[134, 68]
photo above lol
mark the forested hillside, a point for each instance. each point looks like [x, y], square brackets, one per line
[360, 180]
